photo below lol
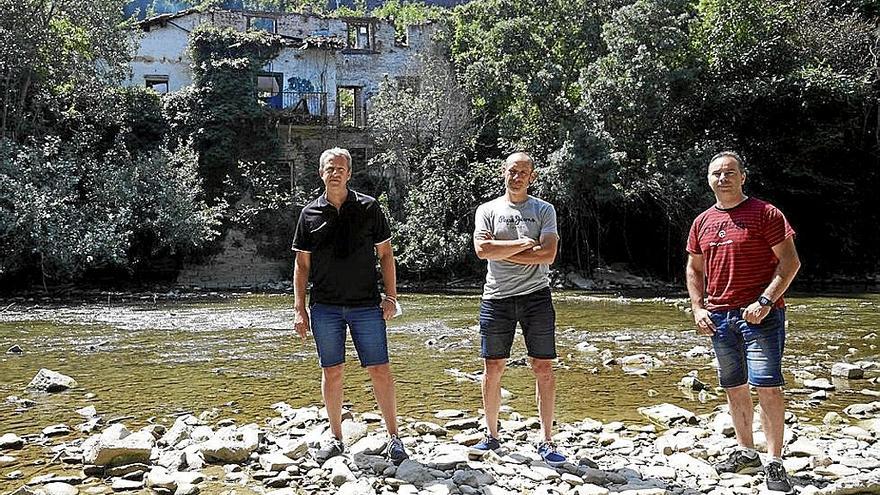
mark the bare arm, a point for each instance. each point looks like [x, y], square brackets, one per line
[389, 278]
[542, 254]
[301, 269]
[695, 274]
[488, 248]
[786, 269]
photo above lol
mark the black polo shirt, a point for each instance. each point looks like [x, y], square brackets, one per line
[342, 246]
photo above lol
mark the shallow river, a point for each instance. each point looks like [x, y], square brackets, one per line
[151, 361]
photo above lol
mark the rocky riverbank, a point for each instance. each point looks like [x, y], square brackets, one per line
[671, 452]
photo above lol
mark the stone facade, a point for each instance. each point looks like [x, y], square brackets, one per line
[321, 83]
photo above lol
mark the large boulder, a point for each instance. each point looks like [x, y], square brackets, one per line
[668, 415]
[51, 381]
[116, 446]
[231, 445]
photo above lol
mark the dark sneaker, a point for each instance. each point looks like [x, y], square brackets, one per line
[329, 448]
[741, 463]
[775, 477]
[395, 451]
[488, 443]
[551, 456]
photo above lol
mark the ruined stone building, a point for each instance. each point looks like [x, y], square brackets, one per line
[320, 85]
[321, 81]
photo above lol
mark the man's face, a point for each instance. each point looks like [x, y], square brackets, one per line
[335, 172]
[725, 177]
[518, 175]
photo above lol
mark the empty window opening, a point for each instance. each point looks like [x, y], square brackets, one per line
[261, 24]
[158, 83]
[359, 36]
[348, 107]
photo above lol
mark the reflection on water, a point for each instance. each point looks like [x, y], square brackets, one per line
[240, 355]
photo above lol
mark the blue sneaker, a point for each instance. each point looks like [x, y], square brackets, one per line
[488, 443]
[395, 451]
[551, 456]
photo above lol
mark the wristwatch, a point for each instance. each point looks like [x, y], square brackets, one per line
[765, 301]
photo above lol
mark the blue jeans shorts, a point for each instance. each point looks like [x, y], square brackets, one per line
[536, 316]
[367, 332]
[749, 353]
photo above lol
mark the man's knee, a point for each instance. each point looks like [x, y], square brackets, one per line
[494, 367]
[543, 368]
[333, 373]
[380, 371]
[769, 393]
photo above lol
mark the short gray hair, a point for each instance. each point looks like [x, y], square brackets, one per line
[327, 155]
[732, 154]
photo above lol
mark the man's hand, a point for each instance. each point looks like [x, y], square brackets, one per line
[389, 309]
[484, 235]
[705, 325]
[301, 322]
[755, 313]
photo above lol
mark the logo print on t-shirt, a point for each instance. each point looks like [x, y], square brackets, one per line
[722, 234]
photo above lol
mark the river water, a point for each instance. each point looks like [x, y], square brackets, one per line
[150, 361]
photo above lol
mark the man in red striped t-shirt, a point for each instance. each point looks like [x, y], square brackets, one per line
[742, 258]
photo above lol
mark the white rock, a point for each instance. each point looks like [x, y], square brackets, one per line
[590, 489]
[360, 487]
[819, 384]
[60, 489]
[697, 467]
[352, 431]
[51, 381]
[275, 461]
[427, 427]
[11, 441]
[668, 414]
[369, 445]
[847, 370]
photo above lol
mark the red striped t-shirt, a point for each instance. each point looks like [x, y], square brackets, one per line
[736, 248]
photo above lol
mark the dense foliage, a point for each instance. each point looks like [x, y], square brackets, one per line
[86, 180]
[622, 102]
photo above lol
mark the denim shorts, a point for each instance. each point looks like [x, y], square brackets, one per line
[367, 332]
[535, 314]
[749, 353]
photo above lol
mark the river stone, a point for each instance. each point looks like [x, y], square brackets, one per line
[692, 383]
[87, 412]
[116, 446]
[463, 424]
[846, 370]
[360, 487]
[668, 414]
[293, 448]
[7, 460]
[369, 445]
[51, 381]
[340, 473]
[858, 433]
[173, 460]
[186, 489]
[863, 411]
[11, 441]
[449, 413]
[159, 477]
[15, 349]
[201, 434]
[180, 430]
[819, 384]
[56, 430]
[804, 447]
[352, 431]
[122, 485]
[429, 428]
[872, 425]
[699, 468]
[413, 472]
[468, 439]
[862, 463]
[59, 489]
[833, 419]
[231, 444]
[590, 489]
[836, 471]
[276, 461]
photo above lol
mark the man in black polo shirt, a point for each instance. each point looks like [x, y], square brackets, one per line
[337, 239]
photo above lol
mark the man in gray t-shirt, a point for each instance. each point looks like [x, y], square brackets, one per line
[516, 233]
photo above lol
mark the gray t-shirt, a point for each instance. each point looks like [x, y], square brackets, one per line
[508, 221]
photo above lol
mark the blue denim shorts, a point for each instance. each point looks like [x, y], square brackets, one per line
[367, 332]
[749, 353]
[535, 314]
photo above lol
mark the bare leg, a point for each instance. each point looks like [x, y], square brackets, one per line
[331, 389]
[772, 418]
[742, 412]
[383, 389]
[545, 394]
[492, 371]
